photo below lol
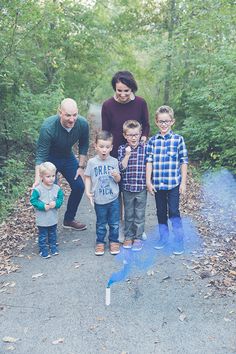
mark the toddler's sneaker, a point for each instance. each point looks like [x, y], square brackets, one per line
[127, 244]
[114, 248]
[137, 245]
[99, 249]
[44, 254]
[54, 251]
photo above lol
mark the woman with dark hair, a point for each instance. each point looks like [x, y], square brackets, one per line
[123, 106]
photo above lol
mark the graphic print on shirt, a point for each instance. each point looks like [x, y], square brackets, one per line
[104, 179]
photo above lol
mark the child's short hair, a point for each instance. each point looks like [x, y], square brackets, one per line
[165, 109]
[103, 135]
[131, 124]
[46, 167]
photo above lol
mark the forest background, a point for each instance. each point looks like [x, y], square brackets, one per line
[182, 53]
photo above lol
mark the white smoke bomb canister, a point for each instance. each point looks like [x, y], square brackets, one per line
[108, 296]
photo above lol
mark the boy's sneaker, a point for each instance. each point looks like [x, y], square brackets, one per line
[114, 248]
[99, 249]
[160, 244]
[178, 248]
[54, 251]
[127, 244]
[44, 254]
[137, 245]
[144, 236]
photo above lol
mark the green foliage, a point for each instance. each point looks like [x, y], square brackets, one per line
[181, 52]
[14, 179]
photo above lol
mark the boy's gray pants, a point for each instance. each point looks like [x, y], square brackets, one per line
[134, 205]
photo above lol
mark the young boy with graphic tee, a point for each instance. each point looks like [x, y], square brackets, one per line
[47, 198]
[166, 174]
[131, 157]
[101, 187]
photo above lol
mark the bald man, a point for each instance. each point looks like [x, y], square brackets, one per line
[57, 136]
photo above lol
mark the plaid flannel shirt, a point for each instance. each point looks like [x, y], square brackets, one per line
[166, 153]
[134, 176]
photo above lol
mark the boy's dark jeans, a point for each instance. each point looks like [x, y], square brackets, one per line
[68, 168]
[167, 204]
[107, 214]
[47, 235]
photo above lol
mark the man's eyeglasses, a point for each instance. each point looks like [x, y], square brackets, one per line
[164, 122]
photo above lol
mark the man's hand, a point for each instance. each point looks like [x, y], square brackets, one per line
[47, 207]
[35, 184]
[79, 172]
[151, 189]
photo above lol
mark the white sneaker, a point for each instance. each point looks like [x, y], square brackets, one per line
[144, 236]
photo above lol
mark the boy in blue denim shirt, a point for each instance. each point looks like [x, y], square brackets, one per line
[166, 174]
[101, 187]
[47, 198]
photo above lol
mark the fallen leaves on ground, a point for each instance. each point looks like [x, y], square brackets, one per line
[217, 263]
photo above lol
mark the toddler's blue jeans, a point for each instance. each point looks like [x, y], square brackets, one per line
[47, 235]
[107, 214]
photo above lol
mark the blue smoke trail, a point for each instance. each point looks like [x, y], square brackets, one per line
[219, 192]
[148, 256]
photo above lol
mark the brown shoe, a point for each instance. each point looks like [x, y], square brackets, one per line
[114, 248]
[99, 249]
[75, 225]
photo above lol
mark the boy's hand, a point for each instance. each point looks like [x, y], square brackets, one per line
[90, 197]
[182, 188]
[47, 207]
[143, 139]
[52, 204]
[151, 188]
[116, 175]
[128, 151]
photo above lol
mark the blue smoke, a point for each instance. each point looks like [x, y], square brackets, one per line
[219, 192]
[141, 261]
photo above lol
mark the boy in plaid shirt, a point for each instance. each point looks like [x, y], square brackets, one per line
[131, 157]
[166, 174]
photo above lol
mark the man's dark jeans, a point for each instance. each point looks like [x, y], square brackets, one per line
[167, 204]
[108, 214]
[47, 236]
[68, 168]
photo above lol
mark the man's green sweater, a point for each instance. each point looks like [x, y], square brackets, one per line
[54, 140]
